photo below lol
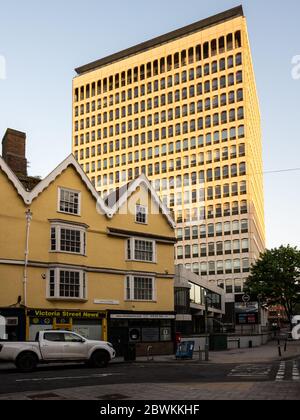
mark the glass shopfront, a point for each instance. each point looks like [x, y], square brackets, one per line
[141, 329]
[88, 324]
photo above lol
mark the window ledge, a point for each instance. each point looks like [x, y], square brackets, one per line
[68, 253]
[141, 301]
[141, 261]
[67, 300]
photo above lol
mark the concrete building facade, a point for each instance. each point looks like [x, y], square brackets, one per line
[183, 110]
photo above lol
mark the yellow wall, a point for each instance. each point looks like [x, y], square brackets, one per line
[103, 251]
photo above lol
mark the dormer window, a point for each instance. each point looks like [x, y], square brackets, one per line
[141, 215]
[69, 201]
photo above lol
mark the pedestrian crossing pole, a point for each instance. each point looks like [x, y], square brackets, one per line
[206, 330]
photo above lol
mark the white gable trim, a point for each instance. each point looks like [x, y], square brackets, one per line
[110, 212]
[141, 181]
[15, 181]
[28, 197]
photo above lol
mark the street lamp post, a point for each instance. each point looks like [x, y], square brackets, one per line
[206, 299]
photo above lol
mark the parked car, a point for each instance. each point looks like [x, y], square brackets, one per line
[56, 347]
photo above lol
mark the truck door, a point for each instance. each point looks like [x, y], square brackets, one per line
[75, 348]
[52, 345]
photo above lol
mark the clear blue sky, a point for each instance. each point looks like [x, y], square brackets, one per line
[43, 42]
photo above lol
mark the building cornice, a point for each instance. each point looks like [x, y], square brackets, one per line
[163, 39]
[130, 234]
[88, 269]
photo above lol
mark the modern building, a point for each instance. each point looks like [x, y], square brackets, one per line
[68, 260]
[199, 304]
[183, 110]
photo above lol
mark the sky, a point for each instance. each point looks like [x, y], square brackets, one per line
[42, 42]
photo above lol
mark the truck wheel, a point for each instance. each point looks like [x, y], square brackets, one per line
[27, 362]
[100, 359]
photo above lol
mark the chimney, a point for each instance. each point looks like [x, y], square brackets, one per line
[14, 151]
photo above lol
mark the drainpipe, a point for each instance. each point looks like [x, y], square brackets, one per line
[25, 277]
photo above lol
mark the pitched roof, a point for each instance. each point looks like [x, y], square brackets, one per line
[29, 196]
[109, 208]
[118, 198]
[179, 33]
[29, 182]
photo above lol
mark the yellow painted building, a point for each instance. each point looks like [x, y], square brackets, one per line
[70, 260]
[183, 109]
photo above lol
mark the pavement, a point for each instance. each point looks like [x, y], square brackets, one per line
[172, 392]
[266, 353]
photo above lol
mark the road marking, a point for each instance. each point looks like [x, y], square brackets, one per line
[296, 372]
[281, 372]
[251, 371]
[61, 378]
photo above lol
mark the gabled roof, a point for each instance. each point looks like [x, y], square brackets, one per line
[14, 180]
[29, 196]
[118, 198]
[109, 208]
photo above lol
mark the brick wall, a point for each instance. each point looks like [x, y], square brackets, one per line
[14, 151]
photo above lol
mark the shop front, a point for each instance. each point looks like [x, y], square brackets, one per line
[144, 330]
[91, 325]
[15, 319]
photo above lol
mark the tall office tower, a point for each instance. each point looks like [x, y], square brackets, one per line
[183, 109]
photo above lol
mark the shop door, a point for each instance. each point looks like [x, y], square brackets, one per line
[119, 339]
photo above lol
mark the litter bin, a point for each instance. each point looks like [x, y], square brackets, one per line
[130, 353]
[185, 350]
[218, 342]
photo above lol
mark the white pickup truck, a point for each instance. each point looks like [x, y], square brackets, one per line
[56, 347]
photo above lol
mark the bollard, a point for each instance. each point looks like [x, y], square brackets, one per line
[279, 349]
[201, 355]
[150, 357]
[207, 352]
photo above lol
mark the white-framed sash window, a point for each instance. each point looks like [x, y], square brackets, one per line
[141, 214]
[68, 239]
[69, 201]
[67, 284]
[143, 250]
[140, 288]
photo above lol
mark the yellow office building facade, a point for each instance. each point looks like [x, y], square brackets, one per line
[183, 110]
